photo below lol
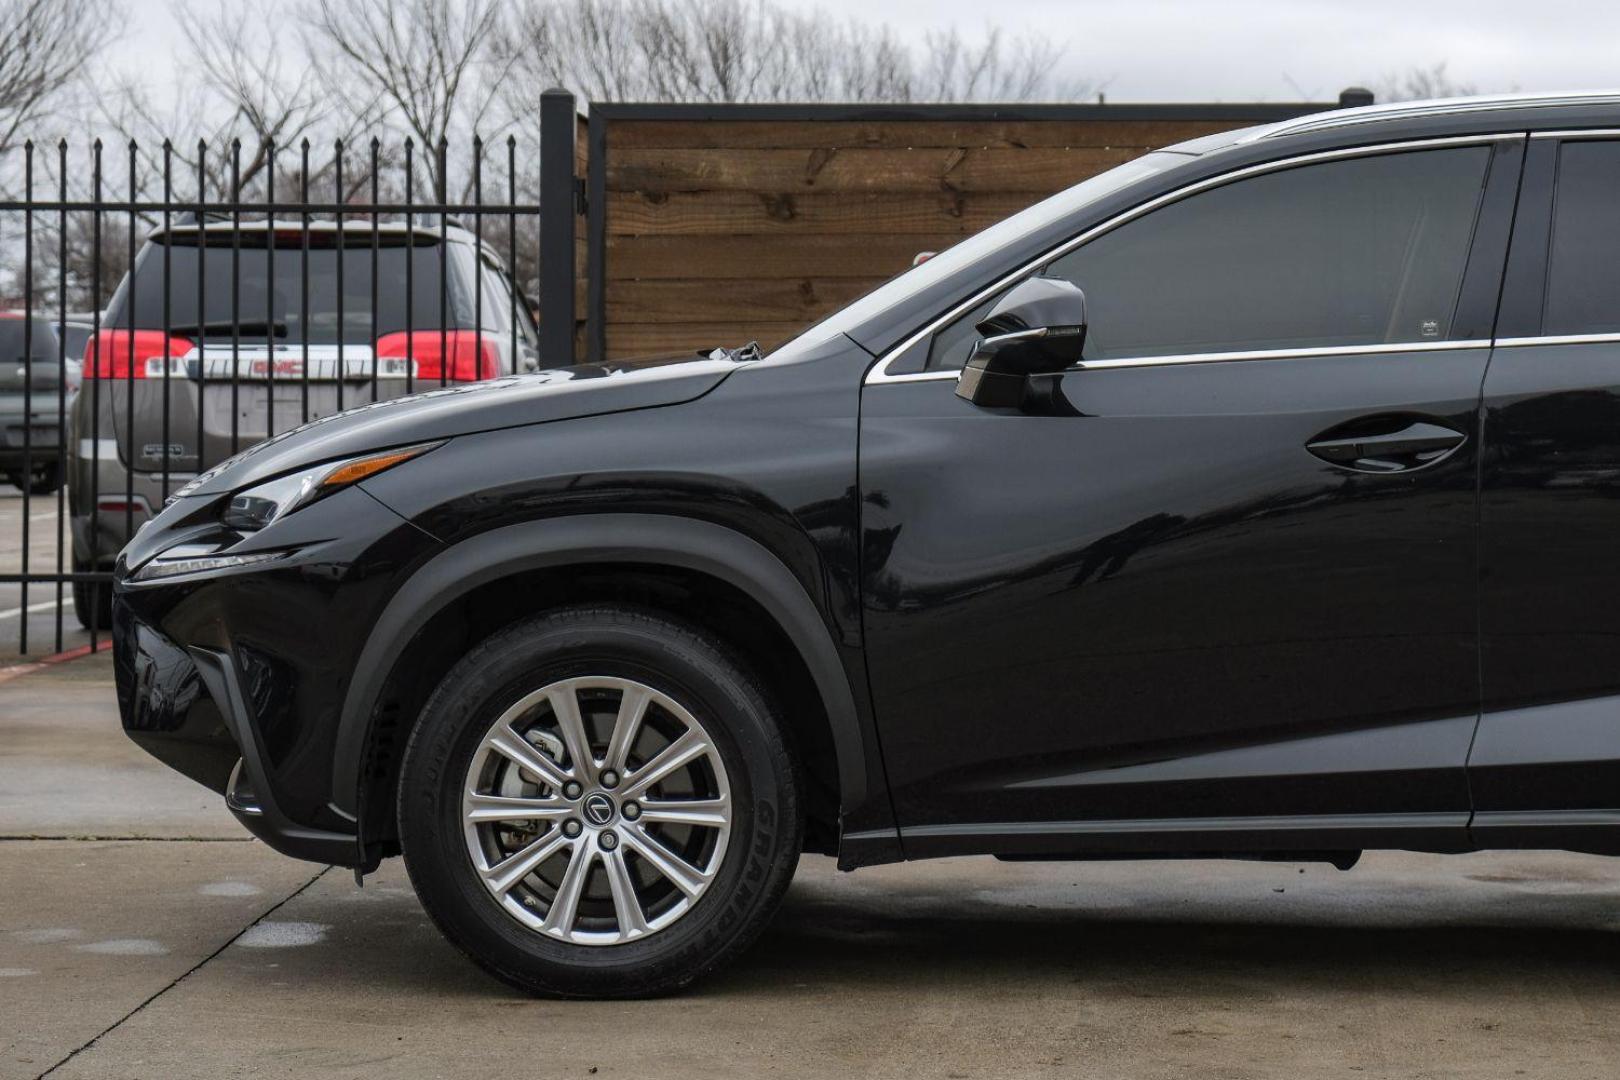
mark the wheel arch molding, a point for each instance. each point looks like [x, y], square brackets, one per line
[677, 543]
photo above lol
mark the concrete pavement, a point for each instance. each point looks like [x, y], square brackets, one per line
[213, 957]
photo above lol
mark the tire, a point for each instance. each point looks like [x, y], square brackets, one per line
[588, 655]
[45, 480]
[92, 603]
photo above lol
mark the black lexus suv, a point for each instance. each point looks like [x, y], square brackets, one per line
[1257, 498]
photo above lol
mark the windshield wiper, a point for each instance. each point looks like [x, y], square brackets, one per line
[742, 355]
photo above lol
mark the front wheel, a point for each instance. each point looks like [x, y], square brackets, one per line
[599, 802]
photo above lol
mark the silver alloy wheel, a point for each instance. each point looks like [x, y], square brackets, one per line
[596, 810]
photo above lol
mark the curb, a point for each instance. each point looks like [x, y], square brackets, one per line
[17, 671]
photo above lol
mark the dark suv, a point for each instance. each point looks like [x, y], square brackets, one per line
[224, 336]
[1254, 499]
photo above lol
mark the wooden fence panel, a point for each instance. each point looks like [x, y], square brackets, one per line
[722, 224]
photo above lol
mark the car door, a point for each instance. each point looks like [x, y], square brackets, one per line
[1545, 769]
[1220, 582]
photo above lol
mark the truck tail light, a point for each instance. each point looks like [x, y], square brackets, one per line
[145, 354]
[444, 355]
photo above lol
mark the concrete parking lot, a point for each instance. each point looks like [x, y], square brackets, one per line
[143, 935]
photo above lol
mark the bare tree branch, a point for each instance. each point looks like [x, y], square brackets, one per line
[45, 48]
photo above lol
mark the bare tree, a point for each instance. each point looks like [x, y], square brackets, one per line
[1420, 83]
[427, 64]
[758, 50]
[45, 49]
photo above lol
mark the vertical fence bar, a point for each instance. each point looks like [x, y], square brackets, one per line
[511, 248]
[61, 374]
[557, 187]
[236, 294]
[168, 358]
[410, 272]
[376, 241]
[130, 458]
[270, 290]
[98, 373]
[201, 373]
[478, 258]
[338, 245]
[444, 264]
[303, 276]
[28, 378]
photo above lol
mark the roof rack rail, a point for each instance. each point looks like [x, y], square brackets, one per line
[1401, 110]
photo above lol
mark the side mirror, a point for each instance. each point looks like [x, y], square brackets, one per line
[1038, 328]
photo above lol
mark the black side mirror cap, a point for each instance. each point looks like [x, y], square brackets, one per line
[1038, 328]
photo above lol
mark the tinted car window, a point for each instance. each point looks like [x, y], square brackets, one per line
[15, 343]
[1357, 252]
[321, 324]
[1583, 291]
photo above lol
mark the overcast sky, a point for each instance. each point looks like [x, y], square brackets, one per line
[1231, 50]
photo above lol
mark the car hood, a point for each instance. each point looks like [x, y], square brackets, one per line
[557, 394]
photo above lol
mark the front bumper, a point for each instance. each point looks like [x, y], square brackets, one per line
[237, 678]
[186, 708]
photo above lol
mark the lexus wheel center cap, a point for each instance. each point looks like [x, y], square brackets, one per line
[599, 809]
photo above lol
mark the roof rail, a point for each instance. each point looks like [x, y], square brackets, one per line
[1401, 110]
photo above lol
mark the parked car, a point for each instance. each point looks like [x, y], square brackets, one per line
[31, 400]
[179, 385]
[1253, 499]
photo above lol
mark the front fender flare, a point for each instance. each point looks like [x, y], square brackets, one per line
[684, 543]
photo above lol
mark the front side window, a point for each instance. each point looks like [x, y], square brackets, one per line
[1361, 251]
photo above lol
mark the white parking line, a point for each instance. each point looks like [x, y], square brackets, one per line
[31, 608]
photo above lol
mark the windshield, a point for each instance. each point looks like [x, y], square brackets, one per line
[988, 241]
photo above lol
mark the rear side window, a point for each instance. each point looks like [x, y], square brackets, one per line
[1583, 287]
[1362, 251]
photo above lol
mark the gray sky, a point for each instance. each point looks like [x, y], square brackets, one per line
[1230, 50]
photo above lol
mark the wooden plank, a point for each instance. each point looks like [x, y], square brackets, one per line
[708, 257]
[811, 134]
[698, 213]
[668, 339]
[745, 300]
[1042, 170]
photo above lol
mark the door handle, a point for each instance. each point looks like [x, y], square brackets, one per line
[1386, 444]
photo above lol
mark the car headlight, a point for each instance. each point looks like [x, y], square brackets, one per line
[253, 509]
[173, 564]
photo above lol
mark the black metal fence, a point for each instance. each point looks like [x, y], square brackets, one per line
[162, 309]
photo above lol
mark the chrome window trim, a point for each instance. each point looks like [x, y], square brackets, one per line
[1183, 359]
[879, 374]
[1577, 133]
[1558, 339]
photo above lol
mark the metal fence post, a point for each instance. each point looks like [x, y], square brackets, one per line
[557, 195]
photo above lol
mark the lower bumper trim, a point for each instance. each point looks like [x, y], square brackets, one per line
[248, 795]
